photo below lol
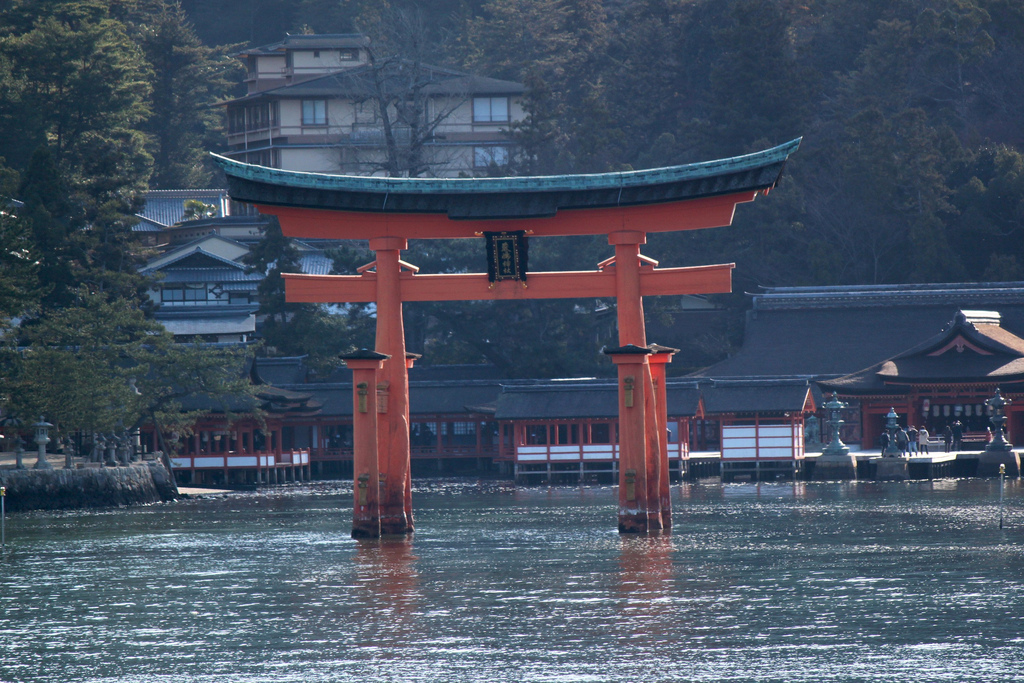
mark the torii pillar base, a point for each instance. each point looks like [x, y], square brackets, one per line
[365, 365]
[634, 513]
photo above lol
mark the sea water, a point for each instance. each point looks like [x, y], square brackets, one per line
[783, 582]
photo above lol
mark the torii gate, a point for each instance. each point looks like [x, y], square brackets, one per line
[390, 211]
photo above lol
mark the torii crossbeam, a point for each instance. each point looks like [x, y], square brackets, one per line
[390, 211]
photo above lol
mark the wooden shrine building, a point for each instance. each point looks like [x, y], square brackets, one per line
[945, 379]
[506, 212]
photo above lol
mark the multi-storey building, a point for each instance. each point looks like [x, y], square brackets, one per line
[319, 103]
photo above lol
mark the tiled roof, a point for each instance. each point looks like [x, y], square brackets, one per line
[167, 207]
[196, 257]
[836, 337]
[316, 263]
[244, 324]
[321, 41]
[964, 352]
[212, 275]
[355, 82]
[755, 396]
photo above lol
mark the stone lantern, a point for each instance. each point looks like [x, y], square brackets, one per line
[998, 404]
[892, 426]
[835, 461]
[835, 445]
[999, 453]
[42, 438]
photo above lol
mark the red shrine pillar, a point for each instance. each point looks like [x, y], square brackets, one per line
[632, 332]
[631, 361]
[365, 472]
[392, 387]
[661, 357]
[410, 358]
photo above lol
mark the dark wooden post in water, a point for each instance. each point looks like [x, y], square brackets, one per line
[624, 206]
[365, 365]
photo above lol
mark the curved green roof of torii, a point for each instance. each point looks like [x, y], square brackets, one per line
[508, 197]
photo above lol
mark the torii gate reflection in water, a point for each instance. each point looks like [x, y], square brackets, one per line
[390, 211]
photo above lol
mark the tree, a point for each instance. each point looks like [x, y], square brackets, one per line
[188, 79]
[77, 92]
[102, 366]
[400, 96]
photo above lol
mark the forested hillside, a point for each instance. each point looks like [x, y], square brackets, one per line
[912, 114]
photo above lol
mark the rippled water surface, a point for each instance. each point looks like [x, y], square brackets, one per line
[771, 582]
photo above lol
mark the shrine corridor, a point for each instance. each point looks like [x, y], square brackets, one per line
[828, 582]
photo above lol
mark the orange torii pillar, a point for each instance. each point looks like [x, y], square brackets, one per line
[659, 358]
[643, 513]
[392, 388]
[634, 476]
[410, 358]
[365, 365]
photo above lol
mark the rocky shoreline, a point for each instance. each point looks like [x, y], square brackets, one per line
[87, 487]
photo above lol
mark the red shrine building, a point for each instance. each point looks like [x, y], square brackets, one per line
[943, 380]
[932, 352]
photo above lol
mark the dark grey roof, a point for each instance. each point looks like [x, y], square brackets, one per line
[196, 258]
[968, 351]
[238, 313]
[281, 371]
[594, 399]
[225, 275]
[558, 400]
[321, 41]
[824, 332]
[147, 225]
[753, 396]
[354, 83]
[316, 263]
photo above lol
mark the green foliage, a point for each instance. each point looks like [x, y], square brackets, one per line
[196, 210]
[188, 79]
[101, 364]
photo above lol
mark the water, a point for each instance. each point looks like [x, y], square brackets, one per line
[771, 582]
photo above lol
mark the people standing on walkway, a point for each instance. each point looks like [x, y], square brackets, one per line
[958, 436]
[922, 439]
[883, 441]
[901, 441]
[947, 437]
[912, 439]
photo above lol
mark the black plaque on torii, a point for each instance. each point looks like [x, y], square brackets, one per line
[506, 255]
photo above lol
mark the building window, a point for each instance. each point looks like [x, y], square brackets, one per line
[314, 112]
[484, 157]
[183, 294]
[490, 109]
[348, 55]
